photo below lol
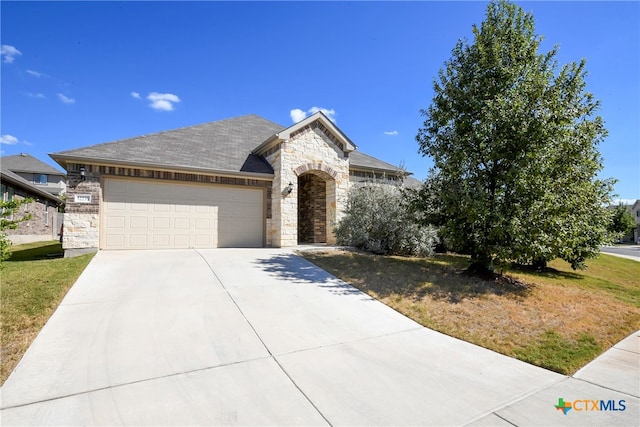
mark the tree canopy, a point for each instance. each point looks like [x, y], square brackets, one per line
[514, 138]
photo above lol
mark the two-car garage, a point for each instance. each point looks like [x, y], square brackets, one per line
[154, 214]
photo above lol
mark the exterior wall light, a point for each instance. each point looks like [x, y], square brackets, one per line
[82, 173]
[288, 189]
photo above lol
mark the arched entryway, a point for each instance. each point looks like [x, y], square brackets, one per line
[312, 207]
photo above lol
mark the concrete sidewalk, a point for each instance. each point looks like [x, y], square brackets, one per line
[262, 337]
[614, 376]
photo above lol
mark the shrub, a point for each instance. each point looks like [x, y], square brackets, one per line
[377, 219]
[9, 220]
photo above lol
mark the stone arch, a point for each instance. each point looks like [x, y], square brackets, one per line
[318, 167]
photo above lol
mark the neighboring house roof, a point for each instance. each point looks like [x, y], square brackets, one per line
[27, 163]
[222, 146]
[6, 176]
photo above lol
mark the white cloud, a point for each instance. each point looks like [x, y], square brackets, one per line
[35, 73]
[8, 139]
[162, 101]
[391, 132]
[36, 95]
[66, 99]
[331, 114]
[136, 95]
[297, 114]
[9, 53]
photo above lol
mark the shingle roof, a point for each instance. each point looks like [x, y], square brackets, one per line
[223, 145]
[365, 161]
[27, 163]
[6, 176]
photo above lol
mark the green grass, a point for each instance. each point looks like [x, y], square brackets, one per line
[34, 281]
[553, 351]
[558, 319]
[610, 275]
[37, 250]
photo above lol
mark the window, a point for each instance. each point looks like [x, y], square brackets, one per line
[40, 179]
[6, 193]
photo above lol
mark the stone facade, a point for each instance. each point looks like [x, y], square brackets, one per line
[308, 151]
[82, 210]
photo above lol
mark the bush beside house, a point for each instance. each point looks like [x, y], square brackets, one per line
[377, 219]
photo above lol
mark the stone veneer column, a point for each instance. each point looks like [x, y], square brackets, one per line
[309, 150]
[81, 218]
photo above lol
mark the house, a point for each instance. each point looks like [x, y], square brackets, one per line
[239, 182]
[36, 172]
[45, 222]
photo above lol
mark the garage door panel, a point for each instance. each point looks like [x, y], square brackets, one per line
[138, 222]
[138, 240]
[182, 240]
[147, 215]
[116, 222]
[139, 207]
[115, 240]
[181, 224]
[160, 223]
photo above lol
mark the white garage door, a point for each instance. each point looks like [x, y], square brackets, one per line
[160, 215]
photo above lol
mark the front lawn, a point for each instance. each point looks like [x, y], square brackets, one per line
[34, 281]
[559, 319]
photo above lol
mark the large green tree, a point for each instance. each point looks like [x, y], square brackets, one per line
[514, 138]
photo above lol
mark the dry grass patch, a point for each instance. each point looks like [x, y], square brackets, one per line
[558, 319]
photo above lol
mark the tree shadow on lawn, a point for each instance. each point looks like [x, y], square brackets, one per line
[547, 272]
[297, 269]
[440, 278]
[49, 251]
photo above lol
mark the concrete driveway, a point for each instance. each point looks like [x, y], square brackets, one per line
[262, 337]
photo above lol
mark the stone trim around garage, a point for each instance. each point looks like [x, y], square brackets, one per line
[84, 195]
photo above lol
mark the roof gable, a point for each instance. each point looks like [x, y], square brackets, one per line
[316, 120]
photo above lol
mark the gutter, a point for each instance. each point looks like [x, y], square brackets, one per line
[62, 160]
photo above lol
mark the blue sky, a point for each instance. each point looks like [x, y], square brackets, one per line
[81, 73]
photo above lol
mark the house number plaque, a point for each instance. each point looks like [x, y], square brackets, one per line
[82, 198]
